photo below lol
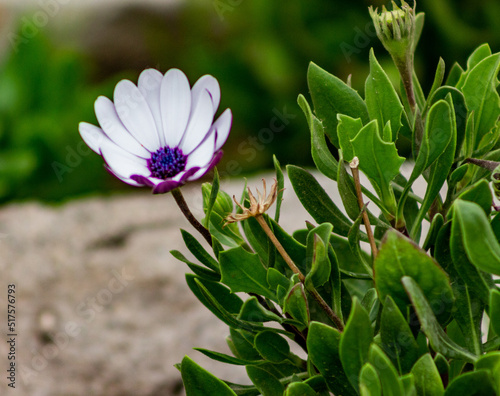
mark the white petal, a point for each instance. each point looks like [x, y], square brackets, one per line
[200, 122]
[135, 114]
[114, 129]
[175, 100]
[222, 126]
[203, 153]
[149, 84]
[210, 84]
[121, 162]
[126, 179]
[92, 135]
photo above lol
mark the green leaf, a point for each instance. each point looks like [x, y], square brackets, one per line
[316, 201]
[347, 129]
[199, 252]
[299, 389]
[199, 382]
[389, 379]
[318, 264]
[438, 339]
[396, 336]
[438, 174]
[243, 272]
[437, 136]
[331, 96]
[223, 358]
[322, 157]
[379, 161]
[481, 95]
[491, 362]
[480, 53]
[266, 382]
[369, 382]
[272, 346]
[197, 269]
[479, 193]
[281, 184]
[355, 342]
[253, 311]
[494, 312]
[296, 304]
[481, 245]
[473, 383]
[241, 344]
[454, 75]
[427, 378]
[213, 196]
[398, 257]
[323, 346]
[468, 315]
[258, 240]
[438, 77]
[381, 99]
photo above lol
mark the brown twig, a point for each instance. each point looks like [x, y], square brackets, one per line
[183, 206]
[354, 164]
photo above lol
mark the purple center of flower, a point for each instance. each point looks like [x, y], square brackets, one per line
[167, 162]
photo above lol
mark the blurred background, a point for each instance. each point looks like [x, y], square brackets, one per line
[57, 56]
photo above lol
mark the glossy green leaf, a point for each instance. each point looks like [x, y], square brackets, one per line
[276, 278]
[494, 312]
[243, 272]
[316, 201]
[397, 339]
[331, 96]
[471, 384]
[369, 382]
[389, 378]
[379, 161]
[381, 98]
[241, 344]
[199, 382]
[427, 378]
[438, 339]
[436, 224]
[266, 382]
[371, 304]
[281, 184]
[398, 257]
[322, 157]
[272, 346]
[323, 346]
[481, 96]
[480, 53]
[258, 240]
[481, 245]
[355, 342]
[442, 365]
[454, 75]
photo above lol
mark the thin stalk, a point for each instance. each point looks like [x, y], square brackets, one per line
[183, 206]
[355, 174]
[334, 318]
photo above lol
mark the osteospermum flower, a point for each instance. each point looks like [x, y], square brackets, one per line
[160, 133]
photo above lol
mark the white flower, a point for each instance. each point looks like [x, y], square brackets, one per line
[161, 132]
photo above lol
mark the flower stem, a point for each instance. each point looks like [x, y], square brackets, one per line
[181, 203]
[334, 318]
[355, 174]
